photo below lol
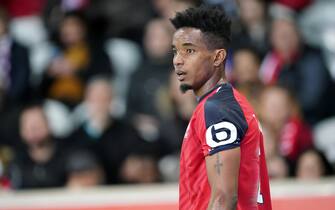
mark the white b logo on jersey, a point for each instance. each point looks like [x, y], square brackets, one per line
[221, 134]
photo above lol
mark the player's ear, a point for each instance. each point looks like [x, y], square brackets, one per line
[220, 56]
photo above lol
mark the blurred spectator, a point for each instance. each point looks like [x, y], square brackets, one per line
[270, 141]
[176, 109]
[245, 75]
[152, 75]
[26, 24]
[14, 81]
[74, 62]
[277, 168]
[246, 66]
[253, 28]
[110, 139]
[126, 56]
[312, 165]
[121, 18]
[54, 11]
[14, 68]
[157, 36]
[167, 8]
[41, 163]
[83, 170]
[230, 6]
[317, 25]
[279, 113]
[296, 66]
[27, 28]
[139, 169]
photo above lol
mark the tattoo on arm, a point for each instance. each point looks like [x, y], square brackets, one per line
[219, 204]
[218, 164]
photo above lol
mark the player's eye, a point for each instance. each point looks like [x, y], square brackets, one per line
[190, 51]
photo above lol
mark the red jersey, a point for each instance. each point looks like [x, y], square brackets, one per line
[223, 120]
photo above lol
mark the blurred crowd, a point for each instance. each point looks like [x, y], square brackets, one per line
[88, 95]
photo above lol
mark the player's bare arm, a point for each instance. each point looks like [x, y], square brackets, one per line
[223, 172]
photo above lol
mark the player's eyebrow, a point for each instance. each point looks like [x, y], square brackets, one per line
[187, 44]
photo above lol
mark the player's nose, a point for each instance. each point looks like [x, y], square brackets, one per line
[177, 60]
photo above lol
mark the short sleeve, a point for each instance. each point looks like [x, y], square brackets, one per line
[224, 123]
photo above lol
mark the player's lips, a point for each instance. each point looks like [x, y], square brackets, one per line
[180, 75]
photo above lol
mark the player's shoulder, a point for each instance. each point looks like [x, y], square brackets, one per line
[227, 95]
[226, 124]
[225, 104]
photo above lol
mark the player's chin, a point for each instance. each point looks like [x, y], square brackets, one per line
[185, 87]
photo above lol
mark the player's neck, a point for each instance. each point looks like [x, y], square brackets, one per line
[208, 86]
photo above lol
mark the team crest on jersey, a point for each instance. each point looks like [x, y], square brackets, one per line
[220, 134]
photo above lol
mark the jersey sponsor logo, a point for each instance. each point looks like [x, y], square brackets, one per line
[220, 134]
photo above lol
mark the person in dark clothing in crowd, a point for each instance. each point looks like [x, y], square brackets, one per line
[178, 111]
[150, 79]
[14, 68]
[14, 81]
[298, 67]
[110, 139]
[40, 164]
[83, 170]
[252, 28]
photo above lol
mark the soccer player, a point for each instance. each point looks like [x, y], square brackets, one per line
[222, 157]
